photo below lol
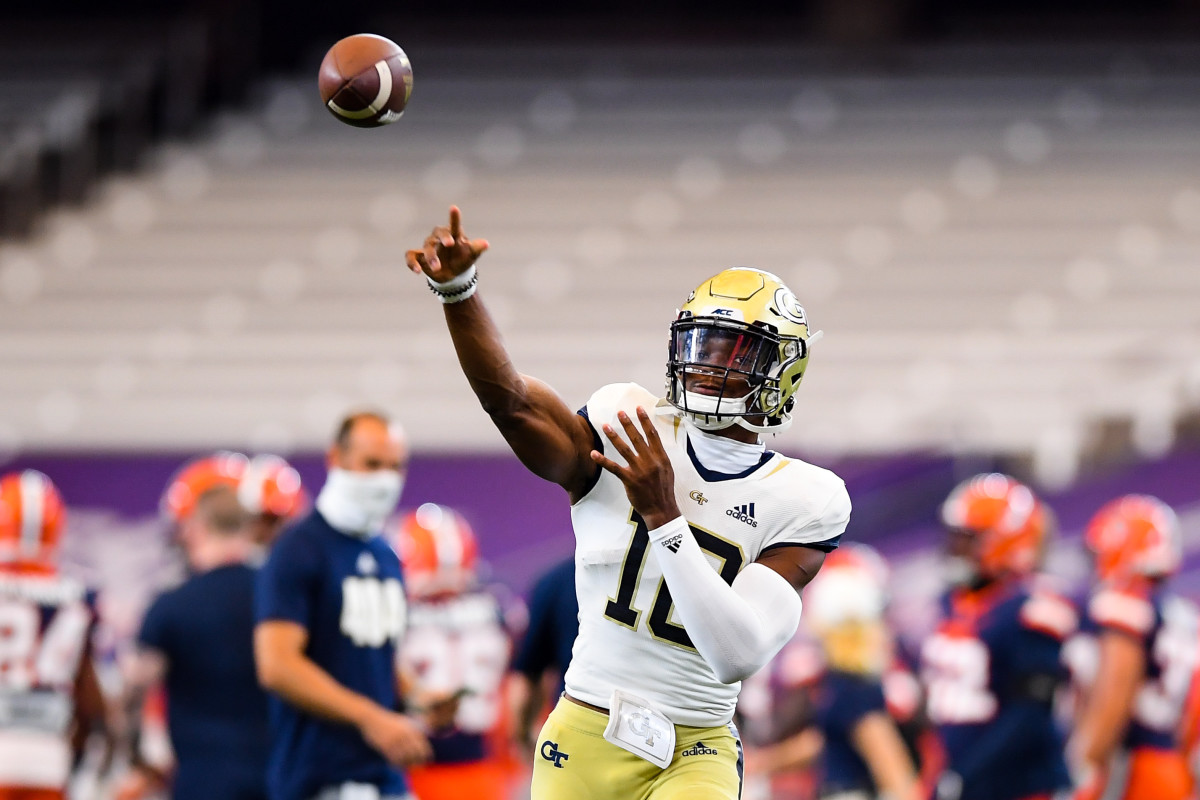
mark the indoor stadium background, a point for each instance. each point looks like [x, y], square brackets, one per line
[991, 209]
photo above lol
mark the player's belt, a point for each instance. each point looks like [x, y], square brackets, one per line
[38, 711]
[579, 702]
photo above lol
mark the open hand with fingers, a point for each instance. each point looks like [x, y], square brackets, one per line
[447, 252]
[397, 737]
[648, 476]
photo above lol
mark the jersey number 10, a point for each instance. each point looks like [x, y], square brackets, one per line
[621, 610]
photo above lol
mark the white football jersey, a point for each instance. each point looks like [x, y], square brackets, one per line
[630, 636]
[45, 625]
[458, 643]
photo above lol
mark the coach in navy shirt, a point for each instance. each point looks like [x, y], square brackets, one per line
[330, 609]
[547, 645]
[197, 641]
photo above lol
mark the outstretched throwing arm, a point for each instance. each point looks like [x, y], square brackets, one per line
[549, 438]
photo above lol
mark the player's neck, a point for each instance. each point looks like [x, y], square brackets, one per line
[738, 434]
[724, 454]
[213, 553]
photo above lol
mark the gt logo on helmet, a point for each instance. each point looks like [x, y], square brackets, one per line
[789, 307]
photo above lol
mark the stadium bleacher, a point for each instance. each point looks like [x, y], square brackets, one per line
[79, 101]
[999, 241]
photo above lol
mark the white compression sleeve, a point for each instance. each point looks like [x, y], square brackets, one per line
[737, 628]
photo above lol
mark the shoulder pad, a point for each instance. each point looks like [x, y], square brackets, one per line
[1128, 611]
[605, 402]
[820, 502]
[1048, 613]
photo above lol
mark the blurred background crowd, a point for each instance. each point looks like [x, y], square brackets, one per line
[992, 209]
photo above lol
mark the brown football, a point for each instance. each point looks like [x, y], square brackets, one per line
[365, 80]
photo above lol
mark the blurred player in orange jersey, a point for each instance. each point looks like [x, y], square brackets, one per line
[1127, 743]
[267, 487]
[455, 656]
[49, 696]
[993, 665]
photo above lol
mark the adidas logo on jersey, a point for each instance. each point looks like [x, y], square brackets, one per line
[743, 513]
[673, 543]
[699, 749]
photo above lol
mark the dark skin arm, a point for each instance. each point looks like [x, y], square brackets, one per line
[549, 438]
[650, 485]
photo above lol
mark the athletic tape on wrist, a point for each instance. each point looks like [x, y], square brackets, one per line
[457, 289]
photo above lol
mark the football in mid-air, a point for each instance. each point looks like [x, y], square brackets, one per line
[365, 80]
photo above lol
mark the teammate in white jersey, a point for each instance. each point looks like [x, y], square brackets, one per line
[692, 539]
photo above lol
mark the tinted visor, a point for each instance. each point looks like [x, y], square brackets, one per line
[731, 346]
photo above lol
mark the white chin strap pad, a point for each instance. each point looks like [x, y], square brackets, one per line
[701, 410]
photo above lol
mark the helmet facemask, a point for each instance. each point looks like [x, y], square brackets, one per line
[722, 372]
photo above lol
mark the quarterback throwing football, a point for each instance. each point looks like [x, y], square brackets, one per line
[692, 539]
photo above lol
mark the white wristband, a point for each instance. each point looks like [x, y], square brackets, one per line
[457, 289]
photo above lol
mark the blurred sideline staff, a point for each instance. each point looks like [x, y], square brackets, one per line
[270, 493]
[330, 612]
[454, 658]
[1128, 744]
[992, 667]
[51, 699]
[544, 653]
[197, 641]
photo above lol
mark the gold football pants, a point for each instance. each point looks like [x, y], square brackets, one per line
[573, 761]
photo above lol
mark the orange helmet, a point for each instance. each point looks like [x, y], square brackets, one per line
[1135, 536]
[438, 551]
[1008, 521]
[265, 484]
[31, 521]
[272, 486]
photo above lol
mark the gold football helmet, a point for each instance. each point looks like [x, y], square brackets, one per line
[739, 348]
